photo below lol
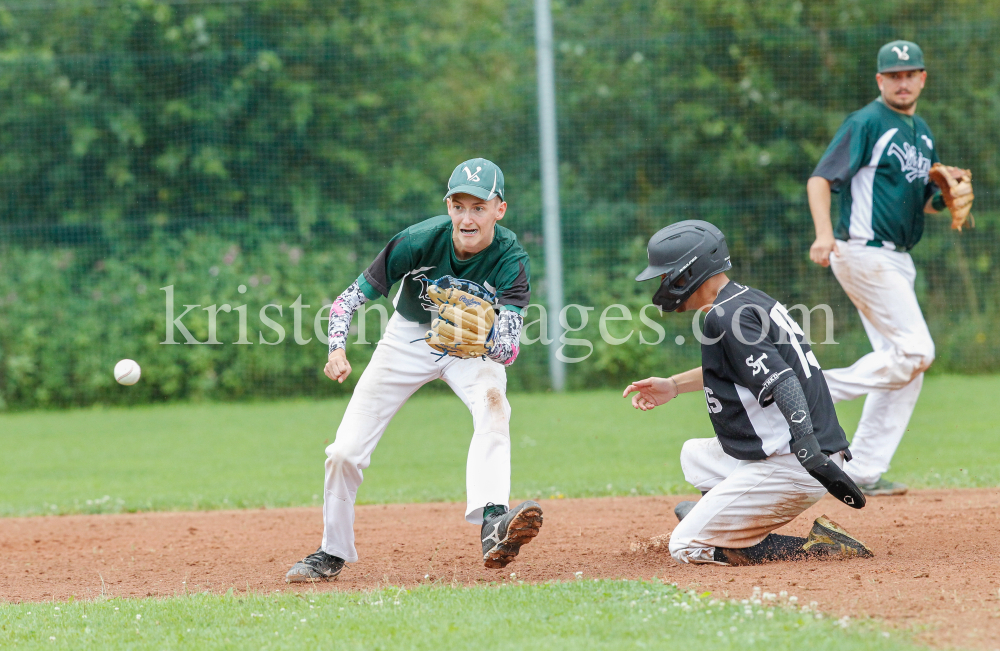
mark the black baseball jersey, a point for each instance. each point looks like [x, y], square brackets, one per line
[750, 345]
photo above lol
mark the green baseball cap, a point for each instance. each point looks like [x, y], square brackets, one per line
[900, 55]
[478, 177]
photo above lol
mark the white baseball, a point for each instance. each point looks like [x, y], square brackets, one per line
[127, 372]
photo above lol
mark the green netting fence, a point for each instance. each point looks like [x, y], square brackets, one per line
[273, 148]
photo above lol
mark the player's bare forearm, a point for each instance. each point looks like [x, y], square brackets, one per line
[929, 207]
[689, 381]
[655, 391]
[818, 191]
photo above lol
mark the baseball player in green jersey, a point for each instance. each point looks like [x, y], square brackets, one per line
[465, 244]
[879, 162]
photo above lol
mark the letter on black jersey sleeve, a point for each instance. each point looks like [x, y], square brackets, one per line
[749, 345]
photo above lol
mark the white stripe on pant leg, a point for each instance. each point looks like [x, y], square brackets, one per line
[482, 386]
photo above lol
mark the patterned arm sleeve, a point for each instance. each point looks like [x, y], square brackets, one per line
[506, 337]
[794, 406]
[341, 313]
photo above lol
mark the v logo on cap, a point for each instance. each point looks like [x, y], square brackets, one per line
[464, 180]
[899, 56]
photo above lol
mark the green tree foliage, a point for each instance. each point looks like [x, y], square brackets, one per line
[140, 141]
[268, 110]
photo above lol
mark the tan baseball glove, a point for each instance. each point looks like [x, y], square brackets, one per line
[464, 325]
[956, 189]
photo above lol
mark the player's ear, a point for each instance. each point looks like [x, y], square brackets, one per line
[501, 209]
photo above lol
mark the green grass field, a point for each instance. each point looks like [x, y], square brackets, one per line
[582, 614]
[271, 454]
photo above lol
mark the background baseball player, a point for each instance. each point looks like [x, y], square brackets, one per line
[476, 336]
[778, 445]
[880, 161]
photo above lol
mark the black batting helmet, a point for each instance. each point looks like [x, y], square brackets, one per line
[689, 253]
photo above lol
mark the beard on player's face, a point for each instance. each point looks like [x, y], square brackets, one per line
[473, 220]
[900, 104]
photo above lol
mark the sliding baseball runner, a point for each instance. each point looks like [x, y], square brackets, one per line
[884, 163]
[465, 280]
[778, 446]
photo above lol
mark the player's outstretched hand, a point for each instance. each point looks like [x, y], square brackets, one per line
[652, 392]
[337, 366]
[821, 249]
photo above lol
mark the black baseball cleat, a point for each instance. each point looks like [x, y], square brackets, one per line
[504, 534]
[827, 538]
[682, 509]
[318, 566]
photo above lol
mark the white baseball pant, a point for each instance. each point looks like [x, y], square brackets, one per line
[880, 284]
[400, 366]
[746, 500]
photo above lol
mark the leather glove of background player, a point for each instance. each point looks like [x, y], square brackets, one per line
[464, 325]
[956, 189]
[792, 403]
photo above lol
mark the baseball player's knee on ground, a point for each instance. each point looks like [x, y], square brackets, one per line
[750, 547]
[693, 555]
[683, 545]
[709, 520]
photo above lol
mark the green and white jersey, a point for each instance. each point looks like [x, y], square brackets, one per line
[424, 252]
[883, 159]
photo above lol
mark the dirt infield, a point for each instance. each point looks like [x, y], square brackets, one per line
[936, 565]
